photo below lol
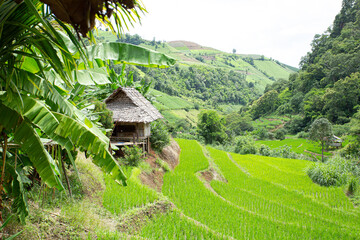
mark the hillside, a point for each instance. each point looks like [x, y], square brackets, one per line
[207, 194]
[257, 69]
[203, 69]
[327, 84]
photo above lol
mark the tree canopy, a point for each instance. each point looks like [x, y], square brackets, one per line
[211, 127]
[321, 131]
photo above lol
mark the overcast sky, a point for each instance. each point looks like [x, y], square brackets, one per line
[281, 29]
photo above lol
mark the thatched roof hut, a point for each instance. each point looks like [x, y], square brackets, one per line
[128, 105]
[132, 115]
[335, 141]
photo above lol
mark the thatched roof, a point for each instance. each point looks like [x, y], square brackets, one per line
[128, 105]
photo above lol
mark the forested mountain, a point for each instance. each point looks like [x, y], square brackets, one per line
[207, 75]
[328, 83]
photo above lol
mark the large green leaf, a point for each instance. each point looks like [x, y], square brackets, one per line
[26, 136]
[129, 54]
[68, 131]
[42, 88]
[17, 190]
[96, 76]
[89, 137]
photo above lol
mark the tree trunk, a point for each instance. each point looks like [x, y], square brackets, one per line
[322, 151]
[66, 176]
[4, 149]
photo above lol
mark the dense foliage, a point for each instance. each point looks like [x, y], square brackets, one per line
[328, 84]
[44, 71]
[211, 127]
[133, 155]
[160, 136]
[321, 131]
[214, 85]
[336, 171]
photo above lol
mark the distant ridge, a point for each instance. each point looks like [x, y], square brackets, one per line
[188, 44]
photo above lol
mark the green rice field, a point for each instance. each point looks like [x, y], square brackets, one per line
[166, 102]
[270, 122]
[248, 197]
[272, 69]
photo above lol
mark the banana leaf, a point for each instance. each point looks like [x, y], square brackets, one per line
[92, 140]
[129, 54]
[17, 190]
[27, 137]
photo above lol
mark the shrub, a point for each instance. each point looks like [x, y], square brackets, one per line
[280, 134]
[336, 171]
[132, 156]
[163, 164]
[159, 136]
[197, 106]
[264, 150]
[271, 135]
[245, 145]
[105, 116]
[262, 133]
[326, 175]
[284, 152]
[302, 134]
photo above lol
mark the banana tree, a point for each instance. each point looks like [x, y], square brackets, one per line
[42, 62]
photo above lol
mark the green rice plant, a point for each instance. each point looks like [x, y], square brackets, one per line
[170, 102]
[253, 211]
[170, 116]
[112, 235]
[268, 199]
[118, 199]
[191, 115]
[175, 226]
[298, 145]
[272, 170]
[272, 69]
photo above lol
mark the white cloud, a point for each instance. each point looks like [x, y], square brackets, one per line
[281, 29]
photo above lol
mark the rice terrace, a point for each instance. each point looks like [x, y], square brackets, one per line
[105, 134]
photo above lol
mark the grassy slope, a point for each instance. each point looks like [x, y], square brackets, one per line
[174, 108]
